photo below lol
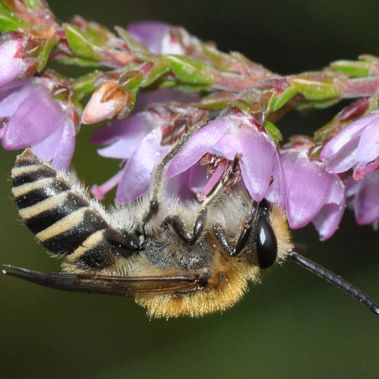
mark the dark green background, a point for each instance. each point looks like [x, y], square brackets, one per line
[293, 325]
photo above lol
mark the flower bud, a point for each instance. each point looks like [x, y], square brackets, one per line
[105, 103]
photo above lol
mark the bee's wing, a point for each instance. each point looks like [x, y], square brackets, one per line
[109, 284]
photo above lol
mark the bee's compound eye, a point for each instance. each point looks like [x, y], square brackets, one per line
[266, 243]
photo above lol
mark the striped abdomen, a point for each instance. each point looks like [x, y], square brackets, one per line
[62, 218]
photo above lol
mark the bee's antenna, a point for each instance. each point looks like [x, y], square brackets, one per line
[336, 280]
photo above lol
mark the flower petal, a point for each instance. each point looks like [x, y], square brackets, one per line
[58, 147]
[199, 144]
[366, 202]
[329, 218]
[149, 33]
[277, 191]
[127, 127]
[368, 147]
[129, 132]
[36, 117]
[137, 171]
[257, 163]
[11, 66]
[348, 133]
[308, 186]
[197, 178]
[339, 153]
[13, 97]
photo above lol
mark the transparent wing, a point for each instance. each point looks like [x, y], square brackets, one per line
[113, 285]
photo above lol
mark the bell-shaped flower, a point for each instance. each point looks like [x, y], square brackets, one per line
[156, 36]
[141, 141]
[235, 133]
[355, 146]
[313, 194]
[32, 118]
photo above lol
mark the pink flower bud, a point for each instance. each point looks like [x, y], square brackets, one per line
[105, 103]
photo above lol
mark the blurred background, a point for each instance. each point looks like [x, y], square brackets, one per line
[293, 325]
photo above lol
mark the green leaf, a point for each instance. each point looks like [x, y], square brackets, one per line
[274, 132]
[75, 61]
[97, 33]
[9, 21]
[315, 87]
[80, 43]
[281, 99]
[355, 69]
[44, 53]
[159, 68]
[131, 80]
[85, 84]
[189, 70]
[133, 45]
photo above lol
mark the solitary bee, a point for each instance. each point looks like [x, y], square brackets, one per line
[175, 259]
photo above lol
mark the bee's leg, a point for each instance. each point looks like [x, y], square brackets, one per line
[235, 249]
[199, 225]
[158, 173]
[181, 230]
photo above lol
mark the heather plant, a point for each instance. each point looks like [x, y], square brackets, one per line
[150, 84]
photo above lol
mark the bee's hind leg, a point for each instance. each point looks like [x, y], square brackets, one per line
[158, 173]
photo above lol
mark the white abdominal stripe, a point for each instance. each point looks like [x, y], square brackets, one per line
[62, 219]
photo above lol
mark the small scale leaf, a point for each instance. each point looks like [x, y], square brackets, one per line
[131, 80]
[158, 68]
[44, 53]
[189, 70]
[315, 87]
[355, 69]
[274, 132]
[282, 99]
[76, 61]
[85, 84]
[80, 43]
[133, 45]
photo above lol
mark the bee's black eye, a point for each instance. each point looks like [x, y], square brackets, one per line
[266, 243]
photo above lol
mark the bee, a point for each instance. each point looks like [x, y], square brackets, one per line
[175, 259]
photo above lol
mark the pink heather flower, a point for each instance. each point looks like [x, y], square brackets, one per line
[355, 146]
[156, 36]
[234, 133]
[31, 118]
[366, 198]
[313, 194]
[137, 140]
[13, 64]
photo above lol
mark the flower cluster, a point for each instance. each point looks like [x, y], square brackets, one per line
[172, 81]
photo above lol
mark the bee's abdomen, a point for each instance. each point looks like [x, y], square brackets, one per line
[61, 218]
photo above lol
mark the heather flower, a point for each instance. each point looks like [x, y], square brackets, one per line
[366, 198]
[234, 133]
[14, 65]
[313, 194]
[32, 118]
[141, 141]
[355, 146]
[156, 36]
